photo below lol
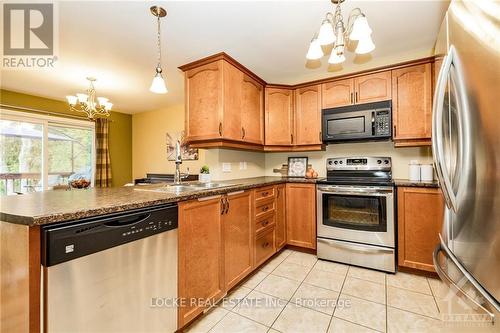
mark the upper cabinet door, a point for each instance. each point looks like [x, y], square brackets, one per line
[412, 102]
[337, 93]
[308, 115]
[252, 111]
[279, 116]
[204, 102]
[233, 78]
[372, 88]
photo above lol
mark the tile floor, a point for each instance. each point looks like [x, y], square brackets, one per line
[295, 292]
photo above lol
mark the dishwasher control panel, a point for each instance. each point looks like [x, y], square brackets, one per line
[71, 240]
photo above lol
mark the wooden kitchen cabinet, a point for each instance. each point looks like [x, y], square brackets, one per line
[308, 115]
[301, 215]
[420, 218]
[224, 104]
[279, 116]
[337, 93]
[412, 105]
[358, 90]
[201, 259]
[238, 226]
[280, 234]
[372, 87]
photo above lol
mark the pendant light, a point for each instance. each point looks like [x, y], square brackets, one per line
[158, 85]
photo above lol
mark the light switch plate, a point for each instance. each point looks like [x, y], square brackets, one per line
[243, 165]
[226, 167]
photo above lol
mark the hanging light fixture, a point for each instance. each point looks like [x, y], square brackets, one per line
[87, 103]
[333, 31]
[158, 85]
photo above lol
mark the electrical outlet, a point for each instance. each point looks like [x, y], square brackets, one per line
[226, 167]
[243, 165]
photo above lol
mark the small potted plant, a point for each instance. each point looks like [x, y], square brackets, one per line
[204, 176]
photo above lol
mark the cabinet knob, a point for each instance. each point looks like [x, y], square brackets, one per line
[266, 244]
[264, 223]
[266, 208]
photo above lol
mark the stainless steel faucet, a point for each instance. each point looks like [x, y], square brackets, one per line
[178, 177]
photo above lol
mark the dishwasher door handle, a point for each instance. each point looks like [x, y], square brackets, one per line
[125, 223]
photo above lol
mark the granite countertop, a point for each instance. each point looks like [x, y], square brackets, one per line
[57, 206]
[411, 183]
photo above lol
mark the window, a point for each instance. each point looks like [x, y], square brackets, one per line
[40, 153]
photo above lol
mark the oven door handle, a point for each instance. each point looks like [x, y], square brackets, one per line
[353, 247]
[367, 193]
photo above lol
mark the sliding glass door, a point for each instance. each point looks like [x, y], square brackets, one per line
[40, 153]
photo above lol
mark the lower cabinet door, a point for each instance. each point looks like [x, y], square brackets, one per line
[280, 216]
[264, 246]
[301, 215]
[420, 218]
[201, 268]
[238, 230]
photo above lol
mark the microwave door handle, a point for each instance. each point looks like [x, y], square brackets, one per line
[373, 122]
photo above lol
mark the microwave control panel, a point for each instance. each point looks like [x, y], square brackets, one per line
[382, 123]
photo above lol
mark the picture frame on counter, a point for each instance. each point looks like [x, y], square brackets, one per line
[297, 166]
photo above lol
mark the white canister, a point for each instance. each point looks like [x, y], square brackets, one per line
[414, 171]
[205, 177]
[426, 173]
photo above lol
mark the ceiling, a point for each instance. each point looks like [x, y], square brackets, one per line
[116, 43]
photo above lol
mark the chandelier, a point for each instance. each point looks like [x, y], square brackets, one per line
[333, 32]
[87, 103]
[158, 85]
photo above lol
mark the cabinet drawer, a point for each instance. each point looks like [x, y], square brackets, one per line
[265, 208]
[264, 193]
[265, 222]
[264, 246]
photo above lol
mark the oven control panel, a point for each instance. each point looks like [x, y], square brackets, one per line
[359, 163]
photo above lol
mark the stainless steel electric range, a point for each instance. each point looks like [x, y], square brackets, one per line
[356, 213]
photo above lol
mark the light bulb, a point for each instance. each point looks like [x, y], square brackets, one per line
[315, 52]
[108, 105]
[72, 100]
[335, 58]
[158, 85]
[82, 98]
[360, 29]
[326, 35]
[102, 100]
[365, 45]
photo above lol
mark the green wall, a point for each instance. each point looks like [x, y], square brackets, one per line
[120, 130]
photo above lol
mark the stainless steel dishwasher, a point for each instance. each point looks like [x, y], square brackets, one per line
[115, 273]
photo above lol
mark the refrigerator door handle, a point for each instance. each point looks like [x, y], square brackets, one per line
[454, 286]
[437, 130]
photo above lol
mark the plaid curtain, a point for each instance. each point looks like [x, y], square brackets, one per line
[103, 162]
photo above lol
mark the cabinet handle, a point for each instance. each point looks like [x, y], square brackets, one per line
[222, 206]
[320, 136]
[291, 137]
[243, 132]
[220, 129]
[356, 98]
[264, 194]
[278, 194]
[227, 206]
[352, 98]
[394, 134]
[265, 209]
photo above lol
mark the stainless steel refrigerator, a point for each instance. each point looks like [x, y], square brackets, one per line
[466, 149]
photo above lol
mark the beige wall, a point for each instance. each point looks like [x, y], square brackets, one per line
[400, 156]
[149, 152]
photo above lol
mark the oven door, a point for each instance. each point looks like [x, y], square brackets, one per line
[356, 214]
[348, 125]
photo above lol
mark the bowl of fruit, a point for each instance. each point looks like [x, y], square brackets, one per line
[79, 183]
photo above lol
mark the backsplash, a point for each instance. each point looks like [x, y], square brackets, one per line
[400, 156]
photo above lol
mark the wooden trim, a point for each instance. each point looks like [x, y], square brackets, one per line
[221, 56]
[227, 144]
[412, 143]
[294, 148]
[228, 58]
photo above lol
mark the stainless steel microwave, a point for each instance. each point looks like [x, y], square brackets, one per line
[362, 122]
